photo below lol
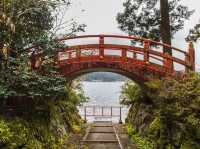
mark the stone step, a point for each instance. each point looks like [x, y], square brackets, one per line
[101, 130]
[100, 141]
[96, 145]
[100, 136]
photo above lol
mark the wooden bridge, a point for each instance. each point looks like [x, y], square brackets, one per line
[137, 58]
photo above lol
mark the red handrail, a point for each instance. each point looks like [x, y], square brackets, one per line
[124, 37]
[146, 50]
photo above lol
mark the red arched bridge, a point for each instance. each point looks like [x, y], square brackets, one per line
[131, 56]
[137, 58]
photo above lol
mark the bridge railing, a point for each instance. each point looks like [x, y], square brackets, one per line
[137, 48]
[102, 112]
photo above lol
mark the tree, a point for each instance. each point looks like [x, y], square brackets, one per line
[24, 23]
[165, 29]
[194, 34]
[34, 21]
[30, 18]
[52, 112]
[146, 19]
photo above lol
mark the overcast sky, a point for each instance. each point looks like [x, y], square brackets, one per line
[100, 18]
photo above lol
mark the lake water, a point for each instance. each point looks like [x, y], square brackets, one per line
[104, 94]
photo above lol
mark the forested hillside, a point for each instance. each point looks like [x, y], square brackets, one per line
[104, 77]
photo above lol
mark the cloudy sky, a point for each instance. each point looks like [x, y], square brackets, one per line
[99, 16]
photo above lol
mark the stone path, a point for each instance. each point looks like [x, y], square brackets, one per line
[101, 135]
[106, 135]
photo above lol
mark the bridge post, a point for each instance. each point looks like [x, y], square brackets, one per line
[101, 48]
[134, 55]
[187, 60]
[78, 54]
[191, 52]
[146, 50]
[70, 54]
[124, 55]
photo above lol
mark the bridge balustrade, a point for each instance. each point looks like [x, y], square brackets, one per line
[101, 112]
[125, 49]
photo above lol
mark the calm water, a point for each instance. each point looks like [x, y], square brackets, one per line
[104, 94]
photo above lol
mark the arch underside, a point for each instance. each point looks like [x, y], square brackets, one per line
[137, 71]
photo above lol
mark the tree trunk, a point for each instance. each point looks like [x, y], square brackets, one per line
[165, 24]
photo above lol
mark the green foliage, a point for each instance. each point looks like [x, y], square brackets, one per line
[194, 34]
[46, 126]
[131, 93]
[190, 145]
[30, 84]
[5, 133]
[25, 23]
[142, 143]
[17, 79]
[155, 127]
[31, 19]
[17, 135]
[143, 17]
[50, 113]
[174, 109]
[27, 135]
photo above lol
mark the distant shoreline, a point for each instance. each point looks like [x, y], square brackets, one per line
[103, 77]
